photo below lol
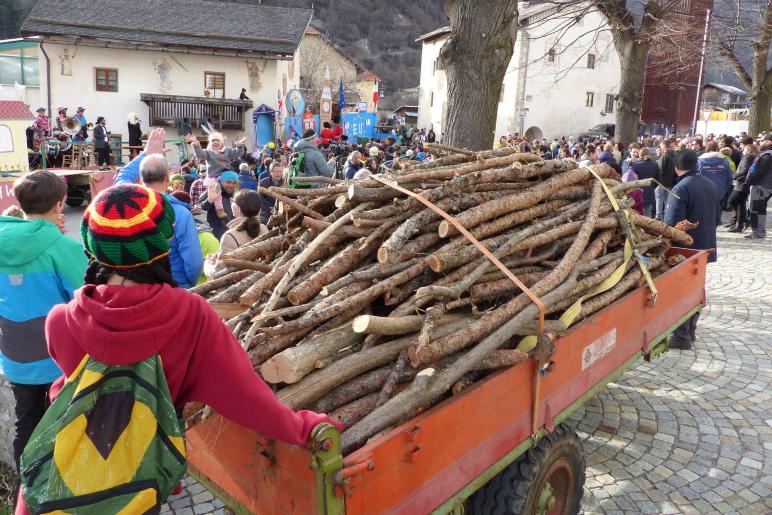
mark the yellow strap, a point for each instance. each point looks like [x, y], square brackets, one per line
[633, 229]
[569, 316]
[528, 343]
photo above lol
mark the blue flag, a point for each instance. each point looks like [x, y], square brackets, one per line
[341, 96]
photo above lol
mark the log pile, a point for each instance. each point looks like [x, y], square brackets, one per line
[364, 303]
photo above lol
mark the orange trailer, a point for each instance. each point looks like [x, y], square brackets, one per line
[469, 452]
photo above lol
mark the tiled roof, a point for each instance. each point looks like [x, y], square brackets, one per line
[15, 110]
[367, 75]
[190, 23]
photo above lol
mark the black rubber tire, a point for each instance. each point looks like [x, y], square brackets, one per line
[74, 198]
[515, 490]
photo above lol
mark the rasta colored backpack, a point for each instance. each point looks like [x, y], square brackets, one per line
[296, 168]
[110, 443]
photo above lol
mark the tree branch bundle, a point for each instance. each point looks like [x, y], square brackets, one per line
[378, 309]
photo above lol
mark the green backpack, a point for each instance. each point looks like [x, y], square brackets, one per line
[110, 443]
[296, 169]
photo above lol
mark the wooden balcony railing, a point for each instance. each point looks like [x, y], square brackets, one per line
[168, 110]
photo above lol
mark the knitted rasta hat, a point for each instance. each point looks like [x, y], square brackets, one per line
[127, 226]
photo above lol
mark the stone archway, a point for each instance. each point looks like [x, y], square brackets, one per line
[534, 133]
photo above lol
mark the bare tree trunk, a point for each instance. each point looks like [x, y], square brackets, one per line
[475, 58]
[761, 90]
[759, 112]
[632, 58]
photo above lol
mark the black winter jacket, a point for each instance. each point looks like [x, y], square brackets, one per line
[695, 198]
[647, 169]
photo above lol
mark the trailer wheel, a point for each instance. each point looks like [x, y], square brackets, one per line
[74, 198]
[548, 479]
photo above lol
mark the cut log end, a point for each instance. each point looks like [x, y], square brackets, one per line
[383, 256]
[360, 324]
[294, 299]
[270, 372]
[444, 229]
[351, 194]
[434, 263]
[341, 200]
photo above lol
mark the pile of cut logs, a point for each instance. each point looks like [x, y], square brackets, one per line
[370, 304]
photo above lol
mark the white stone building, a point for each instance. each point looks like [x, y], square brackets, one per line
[155, 59]
[559, 82]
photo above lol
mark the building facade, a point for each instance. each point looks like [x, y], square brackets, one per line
[723, 96]
[317, 54]
[558, 82]
[670, 93]
[135, 58]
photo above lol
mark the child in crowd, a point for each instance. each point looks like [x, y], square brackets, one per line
[635, 195]
[130, 309]
[39, 267]
[218, 158]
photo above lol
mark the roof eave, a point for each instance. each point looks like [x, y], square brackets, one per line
[155, 47]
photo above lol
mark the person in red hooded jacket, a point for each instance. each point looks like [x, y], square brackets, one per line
[130, 309]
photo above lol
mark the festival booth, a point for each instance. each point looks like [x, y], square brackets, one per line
[356, 124]
[15, 117]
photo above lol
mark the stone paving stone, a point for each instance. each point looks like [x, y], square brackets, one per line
[688, 433]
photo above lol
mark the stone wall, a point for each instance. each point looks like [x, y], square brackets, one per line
[7, 420]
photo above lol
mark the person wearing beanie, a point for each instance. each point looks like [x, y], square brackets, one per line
[129, 310]
[692, 206]
[151, 166]
[224, 191]
[39, 268]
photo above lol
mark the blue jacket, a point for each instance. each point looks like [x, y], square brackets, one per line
[695, 198]
[247, 181]
[44, 269]
[185, 254]
[715, 167]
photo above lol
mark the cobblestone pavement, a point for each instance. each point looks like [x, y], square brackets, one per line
[690, 432]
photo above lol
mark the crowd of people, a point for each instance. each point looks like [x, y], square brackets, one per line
[739, 167]
[157, 232]
[120, 297]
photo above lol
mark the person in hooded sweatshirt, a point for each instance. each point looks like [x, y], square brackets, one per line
[130, 309]
[39, 268]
